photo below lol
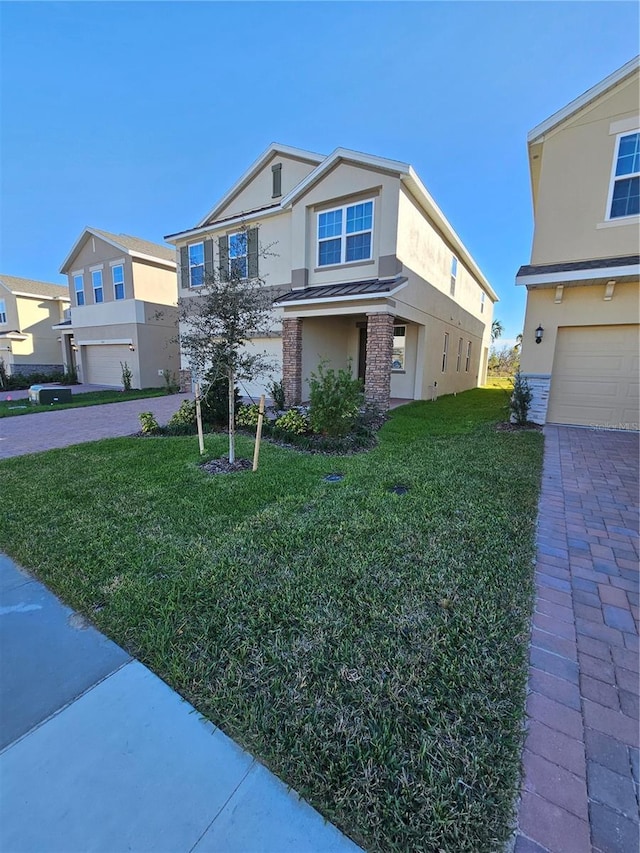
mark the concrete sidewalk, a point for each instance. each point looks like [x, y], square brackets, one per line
[98, 754]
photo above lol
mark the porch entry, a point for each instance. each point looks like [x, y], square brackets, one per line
[362, 350]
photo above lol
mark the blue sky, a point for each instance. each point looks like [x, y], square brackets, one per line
[136, 117]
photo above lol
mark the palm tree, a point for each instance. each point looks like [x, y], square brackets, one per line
[496, 330]
[518, 341]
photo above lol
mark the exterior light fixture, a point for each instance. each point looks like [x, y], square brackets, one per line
[74, 347]
[132, 348]
[539, 334]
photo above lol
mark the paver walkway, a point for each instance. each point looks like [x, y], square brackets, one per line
[63, 427]
[98, 754]
[580, 763]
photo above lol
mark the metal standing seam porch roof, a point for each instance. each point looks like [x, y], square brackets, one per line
[369, 288]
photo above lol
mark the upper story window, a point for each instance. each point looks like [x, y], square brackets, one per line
[482, 298]
[78, 286]
[117, 273]
[454, 273]
[196, 265]
[3, 311]
[345, 234]
[625, 182]
[399, 347]
[96, 281]
[238, 255]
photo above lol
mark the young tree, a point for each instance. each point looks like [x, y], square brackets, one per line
[218, 322]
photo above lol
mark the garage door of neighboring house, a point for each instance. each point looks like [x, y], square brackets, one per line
[595, 377]
[101, 363]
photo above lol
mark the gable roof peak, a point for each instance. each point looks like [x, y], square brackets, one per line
[134, 246]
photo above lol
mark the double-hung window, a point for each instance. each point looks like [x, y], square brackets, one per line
[196, 265]
[238, 255]
[625, 182]
[399, 347]
[445, 352]
[345, 234]
[482, 298]
[468, 359]
[454, 273]
[78, 286]
[459, 359]
[96, 281]
[3, 312]
[117, 273]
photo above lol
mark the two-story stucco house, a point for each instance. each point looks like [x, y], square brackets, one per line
[364, 267]
[123, 309]
[581, 336]
[28, 310]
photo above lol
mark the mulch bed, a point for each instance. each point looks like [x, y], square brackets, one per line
[223, 466]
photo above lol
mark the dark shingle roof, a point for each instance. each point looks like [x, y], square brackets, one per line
[370, 287]
[572, 266]
[137, 244]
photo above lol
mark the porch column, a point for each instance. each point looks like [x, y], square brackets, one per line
[377, 379]
[292, 360]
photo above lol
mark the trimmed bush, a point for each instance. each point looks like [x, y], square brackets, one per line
[335, 399]
[247, 416]
[293, 421]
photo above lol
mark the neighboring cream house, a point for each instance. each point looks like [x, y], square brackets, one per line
[364, 268]
[583, 280]
[123, 309]
[28, 309]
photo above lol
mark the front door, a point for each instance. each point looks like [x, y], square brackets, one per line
[362, 353]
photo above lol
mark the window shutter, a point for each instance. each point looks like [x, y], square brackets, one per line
[223, 252]
[184, 267]
[208, 260]
[252, 253]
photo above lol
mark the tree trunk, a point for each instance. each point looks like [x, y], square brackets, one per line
[232, 417]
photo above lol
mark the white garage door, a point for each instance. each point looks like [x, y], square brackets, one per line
[101, 363]
[595, 377]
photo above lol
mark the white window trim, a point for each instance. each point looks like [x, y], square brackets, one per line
[468, 358]
[482, 299]
[343, 235]
[454, 275]
[191, 266]
[3, 312]
[459, 357]
[445, 352]
[632, 217]
[246, 249]
[100, 287]
[114, 266]
[79, 275]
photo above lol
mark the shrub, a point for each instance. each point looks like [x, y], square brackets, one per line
[520, 400]
[148, 423]
[247, 416]
[70, 376]
[184, 420]
[171, 385]
[276, 392]
[215, 401]
[293, 421]
[335, 399]
[4, 376]
[127, 376]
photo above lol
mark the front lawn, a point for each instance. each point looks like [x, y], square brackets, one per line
[368, 646]
[21, 406]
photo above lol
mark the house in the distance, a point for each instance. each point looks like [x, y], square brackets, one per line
[581, 336]
[123, 309]
[28, 310]
[364, 269]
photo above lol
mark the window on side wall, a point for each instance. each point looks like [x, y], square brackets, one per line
[345, 234]
[96, 281]
[196, 265]
[117, 274]
[482, 298]
[468, 359]
[624, 192]
[78, 286]
[3, 312]
[399, 348]
[445, 352]
[459, 358]
[454, 273]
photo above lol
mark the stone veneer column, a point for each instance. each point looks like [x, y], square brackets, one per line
[185, 381]
[292, 360]
[377, 382]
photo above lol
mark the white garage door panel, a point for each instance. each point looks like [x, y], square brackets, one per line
[595, 377]
[102, 363]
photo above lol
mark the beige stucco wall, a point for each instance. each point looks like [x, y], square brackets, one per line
[35, 317]
[572, 178]
[345, 184]
[154, 283]
[580, 306]
[259, 192]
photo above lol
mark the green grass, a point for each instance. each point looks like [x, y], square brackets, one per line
[9, 408]
[369, 647]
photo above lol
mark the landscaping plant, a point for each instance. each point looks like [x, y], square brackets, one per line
[521, 398]
[127, 376]
[335, 398]
[148, 423]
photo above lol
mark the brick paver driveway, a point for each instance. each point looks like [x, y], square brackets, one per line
[62, 427]
[580, 763]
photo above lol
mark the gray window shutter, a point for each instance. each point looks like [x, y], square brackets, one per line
[208, 260]
[223, 251]
[252, 253]
[184, 266]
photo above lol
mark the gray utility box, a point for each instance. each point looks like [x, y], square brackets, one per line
[39, 395]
